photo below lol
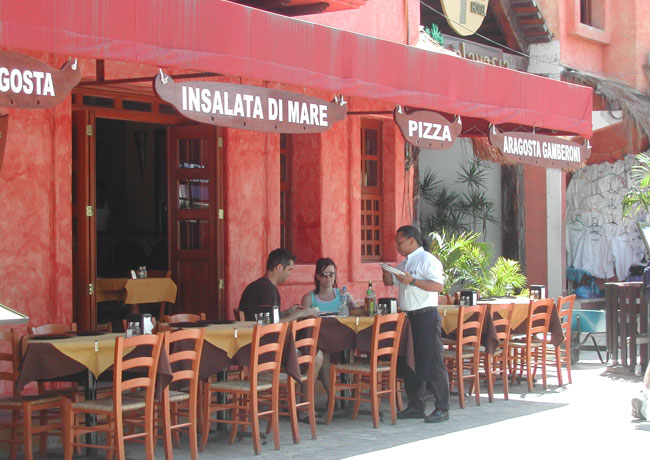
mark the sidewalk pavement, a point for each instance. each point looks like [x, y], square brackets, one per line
[589, 418]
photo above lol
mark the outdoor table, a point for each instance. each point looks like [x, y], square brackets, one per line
[520, 315]
[343, 333]
[81, 359]
[136, 291]
[75, 356]
[223, 347]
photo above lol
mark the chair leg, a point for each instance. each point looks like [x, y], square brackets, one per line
[255, 427]
[27, 431]
[332, 395]
[544, 381]
[166, 422]
[119, 437]
[150, 434]
[558, 365]
[42, 438]
[529, 373]
[567, 359]
[357, 396]
[311, 395]
[398, 396]
[374, 401]
[461, 384]
[194, 442]
[68, 438]
[392, 386]
[487, 364]
[504, 376]
[275, 417]
[293, 413]
[205, 414]
[13, 446]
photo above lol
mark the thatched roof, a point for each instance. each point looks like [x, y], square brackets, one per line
[634, 104]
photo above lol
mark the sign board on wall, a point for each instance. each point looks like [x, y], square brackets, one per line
[27, 83]
[465, 16]
[488, 54]
[427, 129]
[249, 107]
[540, 150]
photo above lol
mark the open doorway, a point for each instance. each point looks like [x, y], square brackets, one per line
[131, 202]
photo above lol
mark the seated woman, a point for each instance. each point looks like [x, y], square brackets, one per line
[326, 297]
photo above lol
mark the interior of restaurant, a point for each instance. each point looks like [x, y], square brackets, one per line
[131, 191]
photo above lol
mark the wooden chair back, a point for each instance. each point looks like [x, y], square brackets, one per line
[188, 358]
[266, 352]
[305, 334]
[52, 329]
[470, 326]
[539, 318]
[502, 317]
[386, 335]
[184, 318]
[10, 358]
[565, 312]
[143, 359]
[240, 315]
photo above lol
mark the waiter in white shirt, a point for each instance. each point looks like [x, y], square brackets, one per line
[418, 297]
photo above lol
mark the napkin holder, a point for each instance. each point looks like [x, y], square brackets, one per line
[143, 319]
[471, 295]
[272, 310]
[538, 291]
[388, 305]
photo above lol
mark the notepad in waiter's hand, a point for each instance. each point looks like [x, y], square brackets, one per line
[390, 268]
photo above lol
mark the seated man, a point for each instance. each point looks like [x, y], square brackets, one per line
[264, 291]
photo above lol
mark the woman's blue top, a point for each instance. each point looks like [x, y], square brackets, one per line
[329, 305]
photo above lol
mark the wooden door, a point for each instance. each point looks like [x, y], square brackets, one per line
[196, 218]
[84, 246]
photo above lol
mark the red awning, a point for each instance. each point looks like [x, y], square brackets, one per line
[218, 36]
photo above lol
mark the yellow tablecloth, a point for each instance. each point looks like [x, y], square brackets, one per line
[223, 336]
[83, 350]
[136, 291]
[356, 323]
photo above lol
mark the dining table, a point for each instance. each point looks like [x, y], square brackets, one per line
[76, 357]
[520, 315]
[134, 292]
[344, 333]
[229, 344]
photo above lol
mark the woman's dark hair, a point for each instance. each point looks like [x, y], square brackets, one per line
[322, 264]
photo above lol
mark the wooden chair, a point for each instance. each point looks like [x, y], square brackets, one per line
[242, 397]
[305, 334]
[561, 354]
[184, 318]
[386, 334]
[185, 364]
[463, 357]
[113, 408]
[240, 315]
[497, 363]
[52, 329]
[533, 344]
[160, 274]
[23, 408]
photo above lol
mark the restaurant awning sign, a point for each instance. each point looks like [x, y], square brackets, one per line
[4, 124]
[540, 150]
[27, 83]
[249, 107]
[427, 129]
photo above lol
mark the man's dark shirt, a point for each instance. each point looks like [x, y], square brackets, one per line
[259, 292]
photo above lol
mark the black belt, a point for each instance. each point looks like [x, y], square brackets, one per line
[421, 311]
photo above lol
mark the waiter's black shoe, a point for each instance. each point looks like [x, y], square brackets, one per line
[410, 412]
[437, 416]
